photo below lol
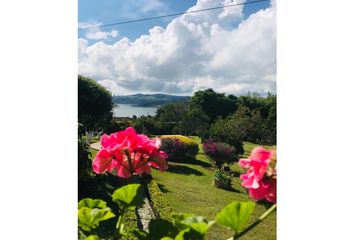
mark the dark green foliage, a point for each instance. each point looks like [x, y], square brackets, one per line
[145, 125]
[263, 111]
[224, 130]
[214, 104]
[84, 156]
[94, 104]
[172, 112]
[195, 122]
[222, 179]
[224, 118]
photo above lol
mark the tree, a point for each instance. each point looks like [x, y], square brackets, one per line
[172, 112]
[214, 104]
[94, 104]
[195, 122]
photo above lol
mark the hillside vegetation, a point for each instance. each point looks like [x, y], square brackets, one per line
[149, 100]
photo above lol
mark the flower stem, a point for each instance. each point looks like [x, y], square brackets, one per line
[131, 169]
[260, 219]
[119, 225]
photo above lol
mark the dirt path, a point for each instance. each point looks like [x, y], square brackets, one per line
[96, 145]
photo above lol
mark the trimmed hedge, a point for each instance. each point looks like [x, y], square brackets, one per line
[179, 148]
[158, 199]
[130, 225]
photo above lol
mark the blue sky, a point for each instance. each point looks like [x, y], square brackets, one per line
[231, 50]
[111, 11]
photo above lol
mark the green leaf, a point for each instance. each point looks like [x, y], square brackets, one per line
[128, 196]
[140, 234]
[178, 218]
[92, 237]
[92, 203]
[235, 215]
[90, 218]
[159, 228]
[198, 224]
[189, 234]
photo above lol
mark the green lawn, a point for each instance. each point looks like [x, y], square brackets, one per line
[189, 188]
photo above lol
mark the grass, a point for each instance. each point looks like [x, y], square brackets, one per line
[190, 189]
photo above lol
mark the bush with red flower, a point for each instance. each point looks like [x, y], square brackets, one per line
[220, 153]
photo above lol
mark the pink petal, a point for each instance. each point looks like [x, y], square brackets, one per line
[260, 154]
[123, 172]
[102, 161]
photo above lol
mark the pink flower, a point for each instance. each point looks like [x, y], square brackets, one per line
[265, 190]
[129, 153]
[260, 178]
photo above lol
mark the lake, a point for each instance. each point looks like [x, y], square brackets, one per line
[126, 110]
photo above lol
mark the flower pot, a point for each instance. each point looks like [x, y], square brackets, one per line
[222, 184]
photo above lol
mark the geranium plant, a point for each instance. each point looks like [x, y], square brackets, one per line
[261, 176]
[129, 153]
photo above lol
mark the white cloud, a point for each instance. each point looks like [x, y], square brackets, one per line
[95, 33]
[99, 35]
[213, 49]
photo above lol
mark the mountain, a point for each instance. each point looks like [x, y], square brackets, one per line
[149, 100]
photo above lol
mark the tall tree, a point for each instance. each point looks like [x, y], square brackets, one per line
[214, 104]
[94, 103]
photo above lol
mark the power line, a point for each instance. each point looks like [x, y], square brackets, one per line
[170, 15]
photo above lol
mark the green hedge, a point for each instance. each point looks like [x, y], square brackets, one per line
[130, 225]
[159, 201]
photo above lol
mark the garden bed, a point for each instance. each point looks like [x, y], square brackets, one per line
[191, 190]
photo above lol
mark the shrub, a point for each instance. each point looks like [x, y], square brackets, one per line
[224, 130]
[179, 148]
[222, 179]
[84, 155]
[94, 103]
[220, 153]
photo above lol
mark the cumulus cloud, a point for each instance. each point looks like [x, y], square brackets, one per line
[98, 35]
[95, 33]
[212, 49]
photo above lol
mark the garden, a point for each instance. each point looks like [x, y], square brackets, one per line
[135, 183]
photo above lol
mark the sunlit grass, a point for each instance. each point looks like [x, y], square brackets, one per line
[194, 192]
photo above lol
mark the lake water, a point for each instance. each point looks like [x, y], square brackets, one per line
[126, 110]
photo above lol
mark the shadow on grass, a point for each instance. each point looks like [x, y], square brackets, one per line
[231, 189]
[162, 188]
[184, 170]
[265, 203]
[192, 161]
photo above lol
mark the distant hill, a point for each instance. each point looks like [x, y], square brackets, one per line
[149, 100]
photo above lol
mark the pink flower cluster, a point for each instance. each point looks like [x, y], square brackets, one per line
[129, 153]
[260, 178]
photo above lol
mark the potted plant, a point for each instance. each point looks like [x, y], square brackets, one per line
[222, 179]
